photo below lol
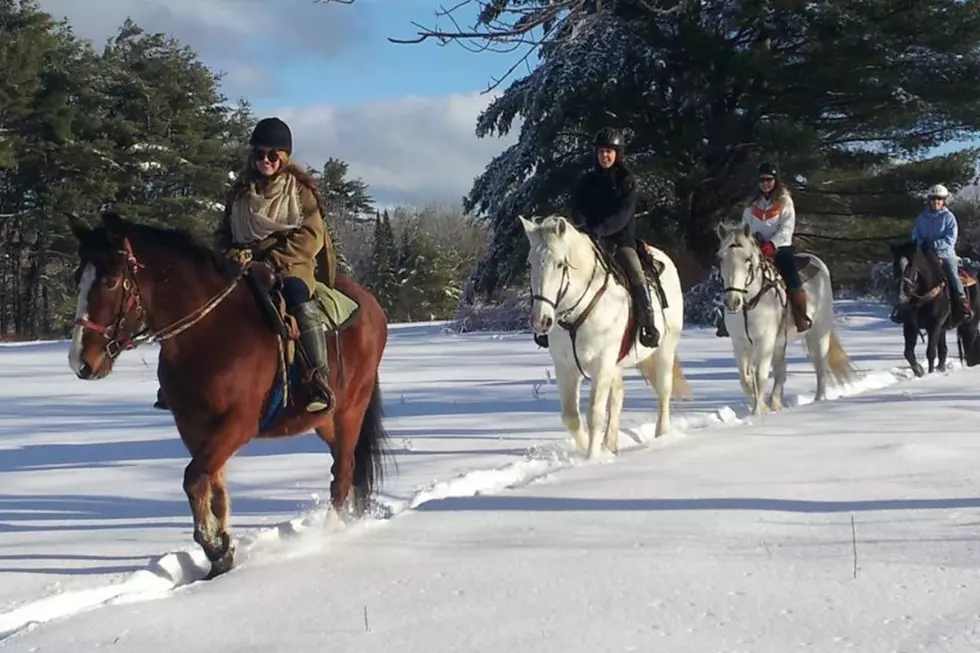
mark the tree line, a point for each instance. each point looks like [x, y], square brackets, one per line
[854, 99]
[141, 125]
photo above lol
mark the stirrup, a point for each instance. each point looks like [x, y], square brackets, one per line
[322, 399]
[649, 337]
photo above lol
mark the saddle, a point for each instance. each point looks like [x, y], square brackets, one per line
[652, 268]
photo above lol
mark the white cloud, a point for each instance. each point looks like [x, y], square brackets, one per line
[231, 36]
[409, 149]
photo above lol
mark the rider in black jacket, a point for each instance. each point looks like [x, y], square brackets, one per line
[603, 206]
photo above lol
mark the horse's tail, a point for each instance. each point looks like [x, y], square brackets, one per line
[371, 450]
[681, 389]
[839, 362]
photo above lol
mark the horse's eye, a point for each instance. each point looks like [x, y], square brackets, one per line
[111, 283]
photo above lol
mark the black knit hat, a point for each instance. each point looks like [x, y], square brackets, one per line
[272, 133]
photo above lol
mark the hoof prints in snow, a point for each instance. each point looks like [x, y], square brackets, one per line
[180, 569]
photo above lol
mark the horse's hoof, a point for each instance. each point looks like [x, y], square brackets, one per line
[220, 550]
[918, 371]
[941, 367]
[222, 565]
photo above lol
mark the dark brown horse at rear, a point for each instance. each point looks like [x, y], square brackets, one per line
[220, 363]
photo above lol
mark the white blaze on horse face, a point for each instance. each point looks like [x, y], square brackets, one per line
[545, 283]
[903, 295]
[734, 272]
[81, 313]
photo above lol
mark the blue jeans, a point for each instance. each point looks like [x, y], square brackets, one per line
[952, 269]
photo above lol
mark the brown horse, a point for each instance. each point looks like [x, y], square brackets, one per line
[220, 363]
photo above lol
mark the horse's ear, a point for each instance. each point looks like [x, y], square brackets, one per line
[721, 229]
[115, 226]
[561, 227]
[78, 227]
[746, 230]
[527, 224]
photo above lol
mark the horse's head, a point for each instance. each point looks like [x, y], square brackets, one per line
[915, 273]
[556, 247]
[740, 262]
[110, 311]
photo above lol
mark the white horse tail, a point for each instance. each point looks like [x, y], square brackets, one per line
[841, 366]
[650, 367]
[681, 389]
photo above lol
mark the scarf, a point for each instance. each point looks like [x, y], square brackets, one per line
[256, 215]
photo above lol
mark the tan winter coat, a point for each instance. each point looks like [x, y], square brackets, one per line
[305, 251]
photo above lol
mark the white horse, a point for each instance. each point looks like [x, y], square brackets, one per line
[760, 324]
[573, 288]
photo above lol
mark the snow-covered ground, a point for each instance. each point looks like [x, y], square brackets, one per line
[848, 525]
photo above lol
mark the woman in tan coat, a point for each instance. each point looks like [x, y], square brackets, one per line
[273, 216]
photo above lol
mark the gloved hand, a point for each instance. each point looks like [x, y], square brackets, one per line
[240, 256]
[768, 249]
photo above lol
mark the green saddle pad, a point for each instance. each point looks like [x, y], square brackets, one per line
[337, 309]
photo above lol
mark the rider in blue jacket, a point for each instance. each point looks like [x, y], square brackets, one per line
[936, 230]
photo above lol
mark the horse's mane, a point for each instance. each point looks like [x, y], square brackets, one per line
[185, 246]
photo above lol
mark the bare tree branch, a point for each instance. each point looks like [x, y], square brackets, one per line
[502, 27]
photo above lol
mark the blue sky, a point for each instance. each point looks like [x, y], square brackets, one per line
[403, 116]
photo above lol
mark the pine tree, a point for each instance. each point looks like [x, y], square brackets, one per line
[383, 281]
[848, 95]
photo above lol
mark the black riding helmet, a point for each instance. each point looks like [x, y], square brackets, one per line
[609, 137]
[768, 169]
[272, 133]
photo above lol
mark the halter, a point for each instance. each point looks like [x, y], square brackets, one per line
[770, 281]
[117, 341]
[562, 316]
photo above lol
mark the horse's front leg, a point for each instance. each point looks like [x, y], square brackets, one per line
[943, 351]
[616, 395]
[569, 389]
[602, 384]
[911, 334]
[207, 495]
[779, 377]
[932, 346]
[763, 363]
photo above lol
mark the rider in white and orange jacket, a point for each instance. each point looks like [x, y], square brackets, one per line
[771, 217]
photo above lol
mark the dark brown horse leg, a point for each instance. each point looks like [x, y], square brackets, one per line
[911, 334]
[205, 488]
[932, 347]
[943, 351]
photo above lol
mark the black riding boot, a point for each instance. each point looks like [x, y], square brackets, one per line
[649, 335]
[160, 403]
[314, 343]
[630, 260]
[541, 340]
[722, 331]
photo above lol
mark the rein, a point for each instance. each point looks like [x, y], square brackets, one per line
[562, 315]
[117, 341]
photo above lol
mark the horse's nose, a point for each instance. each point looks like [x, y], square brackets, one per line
[84, 371]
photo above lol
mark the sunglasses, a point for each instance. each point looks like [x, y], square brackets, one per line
[269, 155]
[935, 199]
[764, 179]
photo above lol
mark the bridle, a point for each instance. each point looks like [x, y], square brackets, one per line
[115, 334]
[770, 281]
[562, 316]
